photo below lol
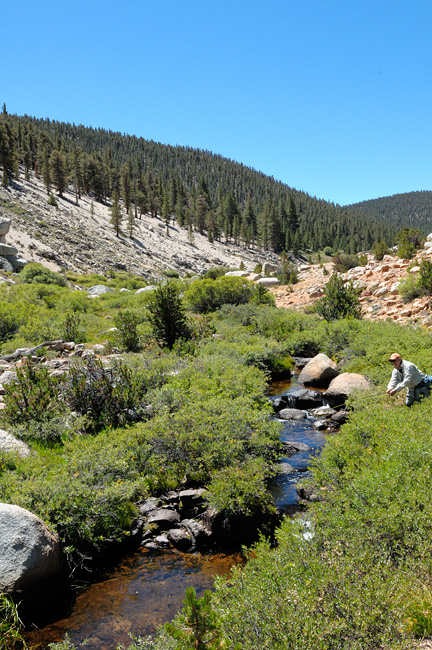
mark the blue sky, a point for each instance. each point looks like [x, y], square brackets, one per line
[331, 97]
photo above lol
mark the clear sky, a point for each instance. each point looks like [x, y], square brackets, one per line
[332, 97]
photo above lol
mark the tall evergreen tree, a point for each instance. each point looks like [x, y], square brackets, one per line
[57, 163]
[116, 213]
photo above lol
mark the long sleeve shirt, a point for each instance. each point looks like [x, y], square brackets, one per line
[408, 376]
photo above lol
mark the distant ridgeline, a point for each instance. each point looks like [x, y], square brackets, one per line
[412, 209]
[204, 191]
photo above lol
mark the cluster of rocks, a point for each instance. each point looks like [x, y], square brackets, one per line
[183, 520]
[326, 404]
[178, 519]
[378, 283]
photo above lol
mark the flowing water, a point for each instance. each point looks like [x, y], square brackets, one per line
[147, 589]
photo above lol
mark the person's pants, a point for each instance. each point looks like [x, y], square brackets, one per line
[417, 393]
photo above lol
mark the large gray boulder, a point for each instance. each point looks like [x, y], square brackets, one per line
[30, 558]
[343, 385]
[268, 282]
[292, 414]
[318, 372]
[99, 290]
[8, 443]
[237, 274]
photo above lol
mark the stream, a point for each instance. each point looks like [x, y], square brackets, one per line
[146, 589]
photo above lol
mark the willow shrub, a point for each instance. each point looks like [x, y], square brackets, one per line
[208, 295]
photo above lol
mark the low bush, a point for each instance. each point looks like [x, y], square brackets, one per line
[425, 277]
[216, 272]
[207, 295]
[339, 300]
[380, 249]
[36, 273]
[105, 396]
[34, 396]
[127, 332]
[409, 240]
[343, 262]
[409, 288]
[242, 489]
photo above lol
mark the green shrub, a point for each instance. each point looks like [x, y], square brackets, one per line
[409, 288]
[380, 249]
[103, 395]
[328, 251]
[9, 323]
[170, 273]
[127, 332]
[34, 396]
[216, 272]
[72, 328]
[241, 490]
[208, 295]
[167, 316]
[343, 262]
[52, 200]
[409, 240]
[287, 272]
[425, 277]
[339, 300]
[36, 273]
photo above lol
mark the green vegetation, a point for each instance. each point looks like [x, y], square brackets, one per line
[415, 286]
[409, 241]
[379, 250]
[339, 301]
[207, 295]
[354, 573]
[413, 208]
[11, 627]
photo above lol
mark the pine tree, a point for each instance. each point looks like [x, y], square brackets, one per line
[8, 154]
[76, 170]
[166, 212]
[46, 167]
[131, 222]
[167, 315]
[57, 165]
[125, 185]
[116, 213]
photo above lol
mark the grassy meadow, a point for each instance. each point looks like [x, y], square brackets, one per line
[353, 572]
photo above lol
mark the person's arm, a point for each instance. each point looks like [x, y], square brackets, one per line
[394, 386]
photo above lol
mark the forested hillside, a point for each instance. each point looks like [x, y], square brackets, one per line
[204, 191]
[412, 209]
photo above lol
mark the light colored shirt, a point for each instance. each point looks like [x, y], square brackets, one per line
[408, 376]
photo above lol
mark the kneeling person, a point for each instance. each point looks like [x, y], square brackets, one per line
[406, 375]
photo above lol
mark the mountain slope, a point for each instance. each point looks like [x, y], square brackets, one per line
[211, 194]
[412, 209]
[71, 237]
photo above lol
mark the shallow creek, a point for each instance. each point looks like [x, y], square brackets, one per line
[147, 588]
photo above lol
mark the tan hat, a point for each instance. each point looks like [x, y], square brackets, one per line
[394, 356]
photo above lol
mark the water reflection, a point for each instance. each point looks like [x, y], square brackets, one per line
[143, 592]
